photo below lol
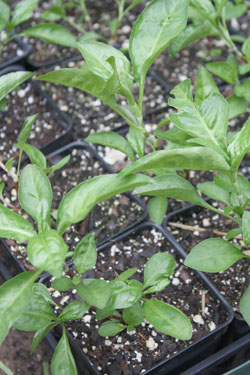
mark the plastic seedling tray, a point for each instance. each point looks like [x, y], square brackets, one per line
[17, 59]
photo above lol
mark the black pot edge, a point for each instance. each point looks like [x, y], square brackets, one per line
[63, 119]
[36, 66]
[238, 321]
[221, 355]
[173, 363]
[17, 59]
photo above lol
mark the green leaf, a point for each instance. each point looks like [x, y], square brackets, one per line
[9, 164]
[51, 33]
[111, 328]
[14, 226]
[96, 292]
[246, 48]
[42, 290]
[35, 195]
[153, 31]
[26, 129]
[194, 158]
[124, 294]
[47, 252]
[54, 13]
[157, 208]
[2, 185]
[205, 7]
[205, 86]
[77, 204]
[103, 314]
[213, 255]
[159, 267]
[234, 11]
[58, 165]
[6, 370]
[40, 334]
[85, 254]
[239, 146]
[224, 70]
[90, 36]
[15, 294]
[245, 305]
[126, 274]
[23, 11]
[113, 140]
[75, 310]
[4, 16]
[10, 81]
[207, 122]
[167, 319]
[35, 155]
[36, 315]
[233, 232]
[62, 284]
[244, 69]
[211, 190]
[192, 33]
[243, 90]
[133, 315]
[237, 106]
[162, 284]
[137, 139]
[3, 105]
[63, 361]
[246, 227]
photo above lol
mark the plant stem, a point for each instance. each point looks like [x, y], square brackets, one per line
[227, 38]
[141, 93]
[237, 189]
[74, 25]
[84, 11]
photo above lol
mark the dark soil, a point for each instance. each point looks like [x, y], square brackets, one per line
[133, 353]
[232, 282]
[10, 51]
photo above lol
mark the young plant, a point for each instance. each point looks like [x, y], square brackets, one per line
[21, 13]
[200, 140]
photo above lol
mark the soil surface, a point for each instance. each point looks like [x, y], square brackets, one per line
[10, 51]
[133, 353]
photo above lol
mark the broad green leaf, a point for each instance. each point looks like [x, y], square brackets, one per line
[58, 165]
[245, 305]
[243, 90]
[137, 139]
[35, 155]
[51, 33]
[111, 328]
[124, 294]
[96, 292]
[90, 36]
[167, 319]
[9, 164]
[234, 11]
[47, 252]
[113, 140]
[103, 314]
[6, 370]
[23, 11]
[220, 5]
[153, 31]
[75, 310]
[36, 315]
[10, 81]
[237, 106]
[77, 204]
[239, 146]
[133, 315]
[173, 135]
[3, 105]
[62, 284]
[42, 290]
[14, 226]
[213, 255]
[15, 294]
[246, 227]
[162, 284]
[85, 254]
[26, 129]
[63, 362]
[211, 190]
[244, 69]
[126, 274]
[224, 70]
[194, 158]
[205, 86]
[4, 15]
[40, 334]
[207, 121]
[157, 208]
[205, 7]
[192, 33]
[159, 267]
[233, 232]
[35, 195]
[54, 13]
[84, 80]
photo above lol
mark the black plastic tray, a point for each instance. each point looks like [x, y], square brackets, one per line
[17, 59]
[186, 357]
[63, 120]
[238, 326]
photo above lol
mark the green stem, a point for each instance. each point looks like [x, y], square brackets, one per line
[19, 163]
[226, 36]
[141, 93]
[84, 10]
[237, 189]
[75, 26]
[210, 207]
